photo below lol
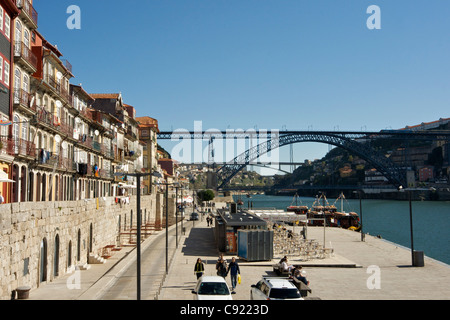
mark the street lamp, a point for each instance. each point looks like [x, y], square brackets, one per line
[138, 176]
[413, 256]
[177, 186]
[363, 236]
[167, 220]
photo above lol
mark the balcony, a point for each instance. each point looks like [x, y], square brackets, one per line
[131, 135]
[6, 146]
[67, 65]
[85, 140]
[22, 100]
[28, 13]
[25, 57]
[18, 147]
[57, 88]
[50, 121]
[106, 174]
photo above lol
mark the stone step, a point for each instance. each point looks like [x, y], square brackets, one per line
[96, 259]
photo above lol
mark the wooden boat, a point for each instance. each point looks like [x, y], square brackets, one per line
[298, 209]
[334, 218]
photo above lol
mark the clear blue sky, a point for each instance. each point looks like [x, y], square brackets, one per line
[267, 63]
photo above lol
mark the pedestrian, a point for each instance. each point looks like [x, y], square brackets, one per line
[233, 269]
[285, 266]
[207, 220]
[221, 267]
[199, 268]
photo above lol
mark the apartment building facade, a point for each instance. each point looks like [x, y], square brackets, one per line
[58, 142]
[148, 130]
[8, 12]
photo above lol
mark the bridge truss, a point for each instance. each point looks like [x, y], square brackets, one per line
[357, 143]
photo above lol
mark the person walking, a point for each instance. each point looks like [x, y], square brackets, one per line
[233, 269]
[199, 268]
[221, 267]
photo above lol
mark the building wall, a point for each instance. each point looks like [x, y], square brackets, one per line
[24, 226]
[5, 52]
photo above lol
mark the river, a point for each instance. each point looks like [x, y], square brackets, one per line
[388, 219]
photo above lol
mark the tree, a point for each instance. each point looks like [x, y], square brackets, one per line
[206, 195]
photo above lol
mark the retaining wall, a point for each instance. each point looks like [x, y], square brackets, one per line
[40, 241]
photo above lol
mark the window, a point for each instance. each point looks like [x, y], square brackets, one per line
[16, 133]
[26, 38]
[18, 31]
[7, 26]
[1, 68]
[24, 131]
[6, 73]
[25, 84]
[17, 78]
[1, 18]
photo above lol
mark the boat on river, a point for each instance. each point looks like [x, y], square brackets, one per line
[296, 208]
[321, 209]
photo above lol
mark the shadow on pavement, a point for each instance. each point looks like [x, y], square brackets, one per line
[200, 242]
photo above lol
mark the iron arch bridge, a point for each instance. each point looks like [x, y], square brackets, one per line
[353, 142]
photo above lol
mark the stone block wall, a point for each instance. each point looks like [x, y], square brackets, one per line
[40, 241]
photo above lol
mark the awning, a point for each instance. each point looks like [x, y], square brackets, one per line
[4, 177]
[126, 186]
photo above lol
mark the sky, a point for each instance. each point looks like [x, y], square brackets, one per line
[265, 64]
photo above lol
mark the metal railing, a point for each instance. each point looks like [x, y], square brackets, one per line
[21, 97]
[17, 146]
[59, 89]
[26, 7]
[22, 51]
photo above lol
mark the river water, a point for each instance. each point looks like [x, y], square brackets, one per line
[389, 219]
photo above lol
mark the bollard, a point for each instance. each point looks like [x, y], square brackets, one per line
[418, 260]
[23, 292]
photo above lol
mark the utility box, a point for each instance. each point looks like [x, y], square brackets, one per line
[255, 245]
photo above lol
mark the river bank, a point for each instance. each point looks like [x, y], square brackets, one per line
[420, 194]
[388, 219]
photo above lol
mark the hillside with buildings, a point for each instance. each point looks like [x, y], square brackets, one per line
[427, 163]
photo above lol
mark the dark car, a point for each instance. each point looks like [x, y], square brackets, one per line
[194, 216]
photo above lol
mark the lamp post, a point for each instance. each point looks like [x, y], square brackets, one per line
[410, 222]
[176, 216]
[363, 236]
[138, 231]
[167, 224]
[416, 261]
[411, 228]
[167, 227]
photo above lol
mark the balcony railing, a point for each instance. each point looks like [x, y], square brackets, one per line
[7, 146]
[22, 51]
[14, 147]
[67, 64]
[60, 90]
[21, 97]
[26, 6]
[54, 122]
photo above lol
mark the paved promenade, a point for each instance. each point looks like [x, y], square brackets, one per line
[370, 270]
[349, 274]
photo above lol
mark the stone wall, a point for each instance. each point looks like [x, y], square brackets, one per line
[31, 232]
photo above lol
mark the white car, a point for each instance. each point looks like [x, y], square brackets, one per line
[275, 288]
[212, 288]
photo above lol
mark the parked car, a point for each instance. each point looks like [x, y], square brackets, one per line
[212, 288]
[275, 288]
[194, 216]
